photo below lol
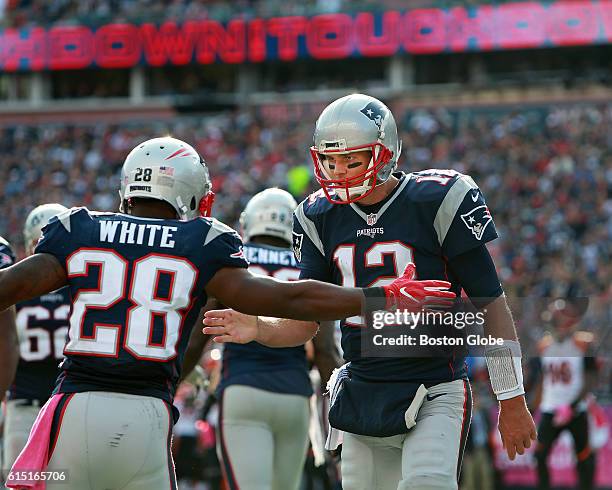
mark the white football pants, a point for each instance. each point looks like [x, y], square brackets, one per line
[113, 441]
[263, 438]
[428, 457]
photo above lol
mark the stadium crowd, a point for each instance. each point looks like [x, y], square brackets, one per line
[546, 173]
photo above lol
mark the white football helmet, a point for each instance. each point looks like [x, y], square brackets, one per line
[170, 170]
[356, 122]
[35, 222]
[269, 212]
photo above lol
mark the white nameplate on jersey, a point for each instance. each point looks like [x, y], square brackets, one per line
[477, 220]
[137, 233]
[298, 239]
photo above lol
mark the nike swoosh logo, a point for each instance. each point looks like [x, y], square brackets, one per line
[475, 196]
[407, 294]
[433, 397]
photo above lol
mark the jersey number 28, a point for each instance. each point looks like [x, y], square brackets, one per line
[145, 304]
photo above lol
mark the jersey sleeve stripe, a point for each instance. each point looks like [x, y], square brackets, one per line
[450, 204]
[216, 229]
[309, 228]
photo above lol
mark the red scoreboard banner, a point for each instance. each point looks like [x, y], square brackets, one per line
[522, 25]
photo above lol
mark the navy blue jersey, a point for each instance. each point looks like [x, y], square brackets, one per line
[7, 256]
[280, 370]
[430, 217]
[137, 286]
[42, 325]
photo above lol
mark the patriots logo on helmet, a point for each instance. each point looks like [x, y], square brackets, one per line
[477, 220]
[375, 112]
[298, 239]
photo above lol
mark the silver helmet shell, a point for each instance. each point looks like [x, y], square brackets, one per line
[356, 122]
[269, 212]
[35, 222]
[170, 170]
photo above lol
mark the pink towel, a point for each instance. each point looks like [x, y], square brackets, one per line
[34, 456]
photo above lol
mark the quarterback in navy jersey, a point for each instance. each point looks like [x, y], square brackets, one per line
[138, 279]
[42, 325]
[403, 419]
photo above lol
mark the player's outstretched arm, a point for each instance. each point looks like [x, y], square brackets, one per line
[29, 278]
[232, 326]
[315, 300]
[298, 300]
[304, 300]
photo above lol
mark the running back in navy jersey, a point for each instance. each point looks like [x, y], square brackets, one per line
[280, 370]
[42, 325]
[430, 217]
[137, 286]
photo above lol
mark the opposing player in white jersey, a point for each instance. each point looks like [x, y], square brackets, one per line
[404, 413]
[42, 325]
[138, 280]
[568, 369]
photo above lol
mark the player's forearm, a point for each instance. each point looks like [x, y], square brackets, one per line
[498, 320]
[505, 370]
[279, 332]
[9, 349]
[297, 300]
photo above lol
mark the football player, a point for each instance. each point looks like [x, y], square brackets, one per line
[9, 345]
[138, 279]
[568, 370]
[42, 328]
[362, 229]
[264, 392]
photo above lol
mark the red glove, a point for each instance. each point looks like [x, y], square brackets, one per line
[406, 293]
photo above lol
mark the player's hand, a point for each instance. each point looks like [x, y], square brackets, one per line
[407, 293]
[516, 426]
[230, 326]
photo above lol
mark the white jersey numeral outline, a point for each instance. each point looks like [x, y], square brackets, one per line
[45, 346]
[344, 256]
[139, 320]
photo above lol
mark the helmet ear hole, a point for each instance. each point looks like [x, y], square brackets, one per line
[192, 204]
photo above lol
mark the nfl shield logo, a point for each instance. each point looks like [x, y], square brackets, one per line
[371, 219]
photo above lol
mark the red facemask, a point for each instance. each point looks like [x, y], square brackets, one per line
[382, 157]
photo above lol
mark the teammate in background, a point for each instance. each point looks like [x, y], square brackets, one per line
[9, 345]
[361, 229]
[264, 392]
[138, 280]
[42, 325]
[567, 375]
